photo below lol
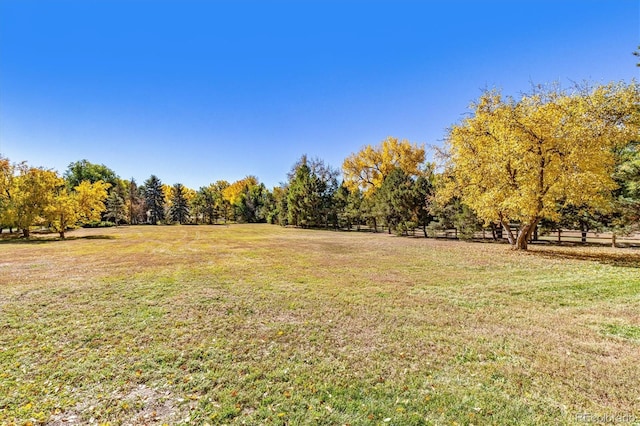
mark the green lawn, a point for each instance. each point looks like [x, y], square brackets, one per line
[258, 324]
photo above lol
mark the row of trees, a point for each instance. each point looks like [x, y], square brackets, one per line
[551, 158]
[30, 195]
[88, 193]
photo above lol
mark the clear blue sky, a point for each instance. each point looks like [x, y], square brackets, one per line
[196, 91]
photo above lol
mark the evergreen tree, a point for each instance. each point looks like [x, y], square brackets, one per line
[348, 207]
[154, 199]
[115, 208]
[280, 195]
[302, 199]
[422, 192]
[310, 194]
[253, 204]
[204, 204]
[396, 201]
[179, 210]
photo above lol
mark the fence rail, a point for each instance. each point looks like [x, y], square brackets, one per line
[563, 236]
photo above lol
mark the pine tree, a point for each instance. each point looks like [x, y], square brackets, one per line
[115, 208]
[302, 199]
[154, 199]
[396, 200]
[179, 211]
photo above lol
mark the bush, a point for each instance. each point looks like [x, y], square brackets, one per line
[98, 224]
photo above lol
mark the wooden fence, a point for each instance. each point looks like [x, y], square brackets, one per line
[555, 237]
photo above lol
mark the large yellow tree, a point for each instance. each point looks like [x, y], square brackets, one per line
[68, 209]
[32, 190]
[367, 168]
[516, 161]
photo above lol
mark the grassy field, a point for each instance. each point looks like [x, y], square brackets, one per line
[258, 324]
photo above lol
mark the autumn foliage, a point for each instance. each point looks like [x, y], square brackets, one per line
[367, 169]
[520, 160]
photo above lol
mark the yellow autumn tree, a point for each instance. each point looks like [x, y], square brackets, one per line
[233, 192]
[62, 210]
[516, 161]
[91, 197]
[68, 209]
[367, 169]
[6, 182]
[32, 190]
[167, 191]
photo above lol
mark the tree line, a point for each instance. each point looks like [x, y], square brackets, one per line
[550, 159]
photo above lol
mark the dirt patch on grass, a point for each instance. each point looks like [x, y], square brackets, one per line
[142, 405]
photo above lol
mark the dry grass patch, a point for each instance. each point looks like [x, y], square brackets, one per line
[266, 325]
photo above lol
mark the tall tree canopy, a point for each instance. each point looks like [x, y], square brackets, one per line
[518, 160]
[83, 170]
[368, 168]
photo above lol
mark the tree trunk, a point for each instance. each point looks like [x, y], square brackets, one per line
[424, 230]
[559, 235]
[613, 240]
[25, 232]
[61, 235]
[510, 236]
[521, 241]
[375, 225]
[524, 235]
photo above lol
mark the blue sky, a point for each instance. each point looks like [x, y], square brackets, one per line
[196, 91]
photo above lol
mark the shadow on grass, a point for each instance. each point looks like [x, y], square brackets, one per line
[44, 240]
[626, 259]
